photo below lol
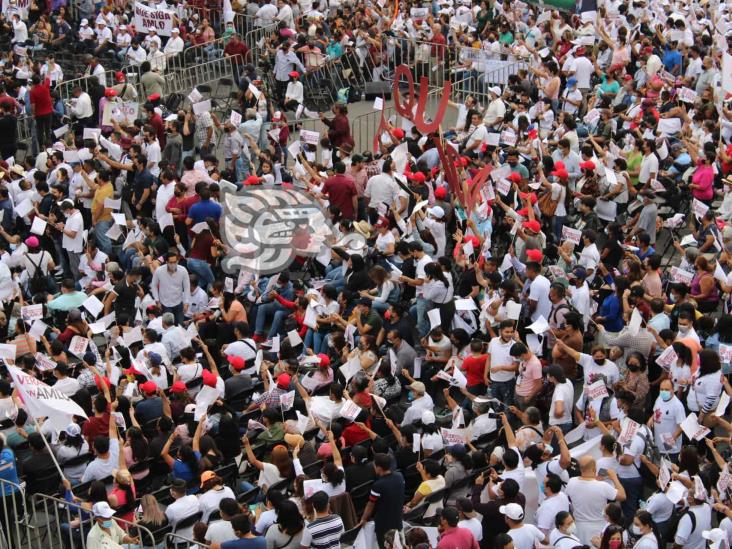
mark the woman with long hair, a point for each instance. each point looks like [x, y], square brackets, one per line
[151, 517]
[135, 450]
[279, 469]
[287, 531]
[212, 492]
[185, 465]
[439, 290]
[386, 291]
[386, 384]
[706, 387]
[122, 495]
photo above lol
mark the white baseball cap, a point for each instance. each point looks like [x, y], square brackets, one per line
[436, 211]
[84, 22]
[102, 509]
[496, 90]
[73, 430]
[512, 511]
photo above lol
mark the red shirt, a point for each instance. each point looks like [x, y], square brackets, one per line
[341, 189]
[240, 48]
[474, 368]
[40, 98]
[457, 538]
[96, 426]
[157, 123]
[353, 434]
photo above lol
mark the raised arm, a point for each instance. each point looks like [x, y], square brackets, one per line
[196, 444]
[165, 452]
[250, 454]
[337, 460]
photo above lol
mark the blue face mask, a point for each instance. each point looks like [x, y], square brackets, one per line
[542, 488]
[410, 396]
[666, 395]
[107, 523]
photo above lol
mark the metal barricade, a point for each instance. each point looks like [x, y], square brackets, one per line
[196, 54]
[207, 73]
[213, 13]
[25, 129]
[13, 512]
[243, 23]
[174, 541]
[39, 521]
[66, 87]
[255, 38]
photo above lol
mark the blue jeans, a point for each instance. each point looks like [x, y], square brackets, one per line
[633, 492]
[557, 224]
[264, 311]
[503, 391]
[379, 306]
[202, 270]
[177, 311]
[100, 233]
[419, 311]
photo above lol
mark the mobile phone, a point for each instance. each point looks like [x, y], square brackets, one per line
[253, 507]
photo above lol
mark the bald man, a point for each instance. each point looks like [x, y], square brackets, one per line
[589, 497]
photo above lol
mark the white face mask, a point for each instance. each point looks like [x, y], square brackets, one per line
[572, 529]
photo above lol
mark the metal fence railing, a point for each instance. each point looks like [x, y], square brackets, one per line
[174, 541]
[202, 74]
[39, 521]
[66, 87]
[256, 38]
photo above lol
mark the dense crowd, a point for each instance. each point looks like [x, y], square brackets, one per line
[528, 346]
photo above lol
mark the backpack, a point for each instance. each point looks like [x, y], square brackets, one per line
[38, 282]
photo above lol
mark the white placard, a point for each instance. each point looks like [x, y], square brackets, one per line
[629, 428]
[235, 119]
[78, 345]
[161, 20]
[31, 312]
[39, 226]
[454, 436]
[596, 390]
[667, 358]
[692, 429]
[294, 338]
[435, 320]
[202, 106]
[571, 235]
[378, 104]
[723, 404]
[539, 326]
[195, 96]
[513, 310]
[350, 368]
[93, 305]
[636, 319]
[416, 443]
[699, 208]
[310, 137]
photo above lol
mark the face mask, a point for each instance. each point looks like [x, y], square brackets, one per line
[615, 543]
[633, 367]
[542, 488]
[107, 523]
[410, 396]
[599, 361]
[548, 449]
[635, 530]
[665, 395]
[684, 329]
[572, 529]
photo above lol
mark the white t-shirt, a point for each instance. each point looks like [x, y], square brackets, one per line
[705, 392]
[539, 292]
[75, 222]
[594, 409]
[646, 542]
[549, 509]
[560, 540]
[383, 241]
[563, 392]
[635, 449]
[589, 498]
[209, 501]
[499, 356]
[474, 525]
[609, 369]
[660, 507]
[667, 416]
[693, 539]
[526, 536]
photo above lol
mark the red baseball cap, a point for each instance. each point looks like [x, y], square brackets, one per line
[154, 97]
[209, 378]
[283, 381]
[178, 387]
[587, 165]
[514, 176]
[236, 362]
[559, 165]
[417, 176]
[472, 239]
[110, 92]
[440, 193]
[533, 225]
[324, 360]
[561, 174]
[534, 255]
[531, 196]
[149, 387]
[119, 76]
[398, 133]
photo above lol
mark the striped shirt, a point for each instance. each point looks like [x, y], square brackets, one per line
[323, 533]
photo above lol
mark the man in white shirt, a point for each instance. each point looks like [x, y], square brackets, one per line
[649, 163]
[579, 293]
[381, 189]
[554, 502]
[244, 346]
[496, 109]
[107, 452]
[152, 38]
[156, 58]
[165, 191]
[73, 236]
[104, 37]
[136, 54]
[175, 44]
[502, 367]
[220, 531]
[421, 402]
[151, 148]
[590, 255]
[572, 97]
[265, 15]
[81, 108]
[589, 497]
[285, 13]
[94, 68]
[538, 297]
[20, 30]
[174, 337]
[468, 518]
[524, 536]
[183, 507]
[171, 288]
[69, 386]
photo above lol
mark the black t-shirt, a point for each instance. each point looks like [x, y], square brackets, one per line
[387, 493]
[404, 327]
[615, 253]
[125, 302]
[8, 130]
[467, 279]
[359, 474]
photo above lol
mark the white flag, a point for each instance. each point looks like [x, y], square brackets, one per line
[41, 400]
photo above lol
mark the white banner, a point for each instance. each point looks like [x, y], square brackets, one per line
[153, 18]
[21, 6]
[41, 400]
[124, 112]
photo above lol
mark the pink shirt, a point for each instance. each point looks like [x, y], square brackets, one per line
[458, 538]
[704, 177]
